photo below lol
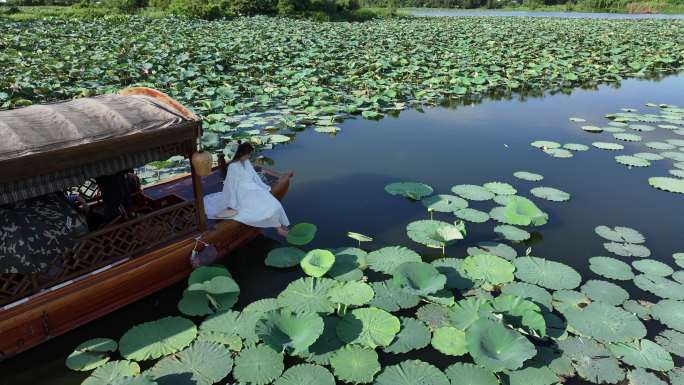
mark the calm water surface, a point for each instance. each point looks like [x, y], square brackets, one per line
[568, 15]
[339, 186]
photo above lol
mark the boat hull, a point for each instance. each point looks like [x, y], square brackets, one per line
[51, 313]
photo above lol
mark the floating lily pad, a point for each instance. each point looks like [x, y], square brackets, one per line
[653, 267]
[667, 184]
[411, 190]
[355, 364]
[489, 268]
[112, 372]
[643, 354]
[472, 192]
[641, 308]
[545, 273]
[306, 374]
[499, 249]
[650, 156]
[627, 249]
[592, 129]
[370, 327]
[411, 372]
[444, 203]
[545, 144]
[670, 313]
[568, 300]
[496, 347]
[418, 278]
[91, 354]
[559, 153]
[660, 286]
[528, 176]
[592, 360]
[285, 331]
[523, 212]
[611, 268]
[512, 233]
[468, 374]
[203, 363]
[284, 257]
[434, 315]
[156, 339]
[472, 215]
[627, 137]
[620, 234]
[327, 129]
[608, 146]
[450, 341]
[534, 293]
[533, 376]
[308, 295]
[577, 120]
[301, 234]
[317, 262]
[632, 161]
[660, 145]
[353, 293]
[452, 269]
[550, 193]
[413, 335]
[500, 188]
[348, 264]
[432, 233]
[259, 365]
[605, 292]
[576, 146]
[387, 259]
[326, 345]
[605, 323]
[642, 127]
[672, 341]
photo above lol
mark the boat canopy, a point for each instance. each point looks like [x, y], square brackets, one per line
[47, 148]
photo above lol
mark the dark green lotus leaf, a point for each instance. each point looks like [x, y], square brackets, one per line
[449, 341]
[301, 234]
[660, 286]
[499, 249]
[500, 188]
[549, 274]
[472, 215]
[533, 376]
[553, 359]
[643, 354]
[532, 292]
[444, 203]
[611, 268]
[285, 331]
[523, 212]
[349, 262]
[306, 374]
[326, 345]
[652, 267]
[566, 300]
[413, 335]
[156, 339]
[672, 341]
[496, 347]
[355, 364]
[605, 292]
[370, 327]
[308, 295]
[259, 365]
[620, 234]
[592, 360]
[203, 363]
[284, 257]
[207, 273]
[353, 293]
[411, 372]
[216, 285]
[418, 278]
[391, 298]
[550, 193]
[411, 190]
[433, 315]
[520, 313]
[640, 376]
[605, 323]
[670, 313]
[512, 233]
[195, 303]
[472, 192]
[468, 374]
[489, 268]
[317, 262]
[112, 371]
[528, 176]
[137, 380]
[435, 234]
[387, 259]
[91, 354]
[452, 269]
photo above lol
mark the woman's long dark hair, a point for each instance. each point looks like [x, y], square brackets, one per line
[242, 150]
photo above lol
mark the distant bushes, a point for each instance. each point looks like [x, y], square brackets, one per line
[209, 9]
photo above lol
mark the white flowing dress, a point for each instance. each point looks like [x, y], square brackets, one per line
[246, 193]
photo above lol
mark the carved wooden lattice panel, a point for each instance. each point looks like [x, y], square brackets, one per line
[129, 239]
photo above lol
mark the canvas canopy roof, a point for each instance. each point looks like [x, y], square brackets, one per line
[45, 148]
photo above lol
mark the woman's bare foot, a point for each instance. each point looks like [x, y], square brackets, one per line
[283, 231]
[290, 173]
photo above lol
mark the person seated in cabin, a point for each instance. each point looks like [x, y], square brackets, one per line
[245, 197]
[117, 191]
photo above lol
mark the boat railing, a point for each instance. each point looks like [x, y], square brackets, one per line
[105, 247]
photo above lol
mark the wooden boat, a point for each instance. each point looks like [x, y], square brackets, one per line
[117, 264]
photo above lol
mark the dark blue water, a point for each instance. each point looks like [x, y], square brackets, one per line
[339, 186]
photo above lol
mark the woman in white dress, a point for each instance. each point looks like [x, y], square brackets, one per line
[245, 192]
